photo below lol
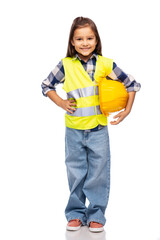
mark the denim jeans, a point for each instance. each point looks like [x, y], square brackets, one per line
[88, 170]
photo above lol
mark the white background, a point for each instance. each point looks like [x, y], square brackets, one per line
[33, 182]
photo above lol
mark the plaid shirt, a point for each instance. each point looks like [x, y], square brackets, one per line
[58, 76]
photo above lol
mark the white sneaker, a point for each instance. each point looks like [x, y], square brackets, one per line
[96, 227]
[74, 225]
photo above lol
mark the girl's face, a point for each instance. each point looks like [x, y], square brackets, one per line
[84, 42]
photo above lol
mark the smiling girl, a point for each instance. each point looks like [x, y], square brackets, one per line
[84, 42]
[87, 147]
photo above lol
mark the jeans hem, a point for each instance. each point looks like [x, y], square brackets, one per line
[83, 222]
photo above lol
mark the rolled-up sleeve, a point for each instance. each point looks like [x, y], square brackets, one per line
[55, 77]
[128, 80]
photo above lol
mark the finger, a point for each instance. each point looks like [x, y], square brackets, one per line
[118, 115]
[72, 100]
[73, 104]
[71, 108]
[117, 121]
[69, 111]
[114, 122]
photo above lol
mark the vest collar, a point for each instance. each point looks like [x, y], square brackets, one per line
[94, 55]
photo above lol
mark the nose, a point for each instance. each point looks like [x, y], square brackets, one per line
[85, 42]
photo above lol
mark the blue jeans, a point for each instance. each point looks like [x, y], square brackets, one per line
[88, 170]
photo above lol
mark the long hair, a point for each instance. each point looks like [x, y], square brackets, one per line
[81, 22]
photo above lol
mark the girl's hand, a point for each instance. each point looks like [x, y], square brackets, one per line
[68, 105]
[120, 116]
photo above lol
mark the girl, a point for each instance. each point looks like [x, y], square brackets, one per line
[87, 148]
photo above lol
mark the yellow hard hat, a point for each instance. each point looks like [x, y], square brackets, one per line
[113, 96]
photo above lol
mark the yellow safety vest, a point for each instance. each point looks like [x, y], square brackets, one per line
[79, 86]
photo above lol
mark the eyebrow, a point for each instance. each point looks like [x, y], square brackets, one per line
[89, 36]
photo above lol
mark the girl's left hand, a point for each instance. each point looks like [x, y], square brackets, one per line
[120, 116]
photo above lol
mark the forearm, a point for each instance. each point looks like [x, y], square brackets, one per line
[123, 114]
[67, 105]
[55, 98]
[131, 97]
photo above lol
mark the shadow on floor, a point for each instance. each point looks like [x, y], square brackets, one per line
[84, 234]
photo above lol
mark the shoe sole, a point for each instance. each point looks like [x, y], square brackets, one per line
[96, 229]
[73, 228]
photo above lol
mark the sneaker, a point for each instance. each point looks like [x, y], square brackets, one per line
[74, 225]
[95, 227]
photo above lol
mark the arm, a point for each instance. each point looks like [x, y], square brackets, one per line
[131, 86]
[55, 77]
[129, 82]
[67, 105]
[49, 88]
[121, 115]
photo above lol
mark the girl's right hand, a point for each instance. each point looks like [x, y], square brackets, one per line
[68, 105]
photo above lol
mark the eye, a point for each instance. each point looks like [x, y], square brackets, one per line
[79, 39]
[90, 38]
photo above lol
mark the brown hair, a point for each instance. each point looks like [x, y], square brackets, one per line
[80, 22]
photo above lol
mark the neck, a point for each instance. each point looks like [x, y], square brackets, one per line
[85, 58]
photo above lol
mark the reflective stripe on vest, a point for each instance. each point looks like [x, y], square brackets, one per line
[83, 92]
[86, 111]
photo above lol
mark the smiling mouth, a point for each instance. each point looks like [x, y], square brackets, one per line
[85, 48]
